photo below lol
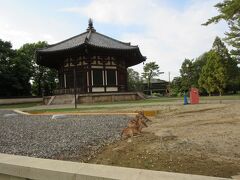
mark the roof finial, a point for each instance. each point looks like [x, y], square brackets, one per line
[90, 25]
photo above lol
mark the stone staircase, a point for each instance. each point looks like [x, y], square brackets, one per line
[141, 95]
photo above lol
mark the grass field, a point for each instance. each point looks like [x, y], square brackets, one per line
[113, 106]
[109, 106]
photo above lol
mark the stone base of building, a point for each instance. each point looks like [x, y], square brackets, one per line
[93, 98]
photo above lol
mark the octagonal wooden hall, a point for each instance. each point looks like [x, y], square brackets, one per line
[90, 62]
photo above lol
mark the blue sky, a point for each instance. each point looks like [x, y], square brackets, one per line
[167, 31]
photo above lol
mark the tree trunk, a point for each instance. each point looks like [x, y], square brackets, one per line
[149, 86]
[39, 87]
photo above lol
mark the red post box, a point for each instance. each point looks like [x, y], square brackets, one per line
[194, 96]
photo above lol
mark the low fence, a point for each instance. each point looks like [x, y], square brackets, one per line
[19, 100]
[26, 168]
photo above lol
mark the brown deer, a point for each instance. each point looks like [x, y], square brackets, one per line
[139, 123]
[134, 127]
[129, 132]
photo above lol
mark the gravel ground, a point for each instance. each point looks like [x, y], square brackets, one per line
[71, 138]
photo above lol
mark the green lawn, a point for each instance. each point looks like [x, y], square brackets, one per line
[110, 106]
[125, 105]
[229, 97]
[22, 105]
[115, 106]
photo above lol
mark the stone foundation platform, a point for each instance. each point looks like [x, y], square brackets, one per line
[93, 98]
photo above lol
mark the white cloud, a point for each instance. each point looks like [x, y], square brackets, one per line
[167, 35]
[170, 35]
[19, 36]
[20, 27]
[122, 12]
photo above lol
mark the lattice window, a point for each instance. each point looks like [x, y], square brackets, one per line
[97, 77]
[111, 77]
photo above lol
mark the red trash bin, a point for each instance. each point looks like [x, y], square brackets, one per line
[194, 96]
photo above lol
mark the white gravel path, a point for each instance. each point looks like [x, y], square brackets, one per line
[71, 138]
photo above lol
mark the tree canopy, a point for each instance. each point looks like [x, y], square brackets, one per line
[229, 10]
[150, 70]
[214, 71]
[134, 80]
[213, 76]
[233, 39]
[19, 73]
[7, 79]
[186, 73]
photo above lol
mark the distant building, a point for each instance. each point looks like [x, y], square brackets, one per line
[156, 86]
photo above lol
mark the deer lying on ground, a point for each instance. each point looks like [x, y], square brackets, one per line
[136, 122]
[129, 132]
[135, 126]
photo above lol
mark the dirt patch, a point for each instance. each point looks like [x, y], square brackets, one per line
[196, 139]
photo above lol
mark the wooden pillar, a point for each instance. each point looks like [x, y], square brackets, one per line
[75, 91]
[89, 76]
[126, 79]
[64, 80]
[116, 74]
[104, 75]
[75, 80]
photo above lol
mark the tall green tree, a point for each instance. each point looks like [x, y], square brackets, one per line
[134, 80]
[23, 69]
[189, 74]
[175, 86]
[42, 78]
[198, 64]
[214, 74]
[8, 81]
[44, 81]
[150, 70]
[186, 72]
[229, 10]
[233, 39]
[17, 73]
[232, 70]
[220, 48]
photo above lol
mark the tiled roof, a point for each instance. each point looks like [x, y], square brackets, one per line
[89, 43]
[89, 37]
[155, 81]
[66, 44]
[100, 40]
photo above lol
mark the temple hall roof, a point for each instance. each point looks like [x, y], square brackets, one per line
[89, 43]
[90, 37]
